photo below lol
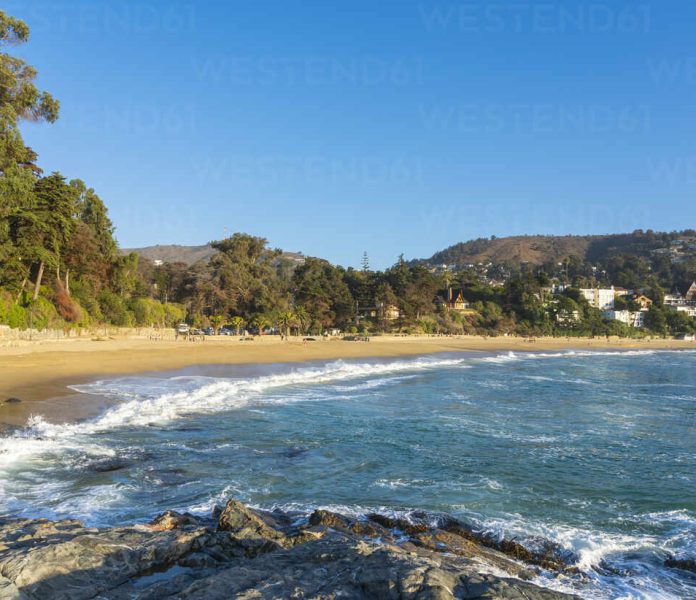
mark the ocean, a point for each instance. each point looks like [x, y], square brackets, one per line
[594, 452]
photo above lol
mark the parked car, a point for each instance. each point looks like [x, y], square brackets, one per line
[209, 331]
[224, 331]
[182, 328]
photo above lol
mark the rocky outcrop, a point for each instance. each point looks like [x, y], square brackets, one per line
[244, 553]
[686, 564]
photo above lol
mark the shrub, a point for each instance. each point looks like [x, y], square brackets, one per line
[174, 314]
[114, 309]
[17, 317]
[67, 307]
[42, 314]
[147, 312]
[88, 300]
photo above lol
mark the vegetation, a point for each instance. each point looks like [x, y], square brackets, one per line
[60, 265]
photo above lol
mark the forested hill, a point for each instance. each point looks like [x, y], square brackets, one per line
[542, 249]
[174, 253]
[188, 255]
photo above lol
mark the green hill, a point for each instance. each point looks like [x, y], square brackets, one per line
[542, 249]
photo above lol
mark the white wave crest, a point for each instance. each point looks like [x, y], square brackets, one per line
[148, 401]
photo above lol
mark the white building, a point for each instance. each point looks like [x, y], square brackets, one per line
[566, 316]
[689, 310]
[674, 299]
[600, 298]
[639, 318]
[630, 318]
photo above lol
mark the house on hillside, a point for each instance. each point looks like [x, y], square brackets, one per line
[688, 310]
[630, 318]
[690, 295]
[599, 298]
[455, 304]
[675, 299]
[643, 301]
[388, 312]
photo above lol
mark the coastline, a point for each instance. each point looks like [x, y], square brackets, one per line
[39, 373]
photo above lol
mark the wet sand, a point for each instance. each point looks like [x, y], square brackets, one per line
[39, 373]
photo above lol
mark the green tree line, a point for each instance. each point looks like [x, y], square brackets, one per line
[60, 266]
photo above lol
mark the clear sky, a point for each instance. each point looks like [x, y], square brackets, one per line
[387, 127]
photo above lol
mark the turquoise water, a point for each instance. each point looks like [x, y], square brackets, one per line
[593, 451]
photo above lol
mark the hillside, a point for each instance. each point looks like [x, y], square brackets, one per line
[173, 253]
[188, 255]
[540, 249]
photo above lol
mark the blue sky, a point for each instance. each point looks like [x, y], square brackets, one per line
[384, 127]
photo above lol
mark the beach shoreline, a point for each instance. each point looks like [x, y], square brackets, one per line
[38, 374]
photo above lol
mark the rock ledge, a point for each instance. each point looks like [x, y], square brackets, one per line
[243, 553]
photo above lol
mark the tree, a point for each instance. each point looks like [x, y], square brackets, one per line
[16, 196]
[216, 322]
[20, 99]
[244, 272]
[301, 318]
[384, 297]
[655, 320]
[320, 290]
[365, 262]
[125, 274]
[45, 227]
[237, 322]
[285, 321]
[260, 322]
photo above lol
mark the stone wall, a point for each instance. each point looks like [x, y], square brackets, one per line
[9, 336]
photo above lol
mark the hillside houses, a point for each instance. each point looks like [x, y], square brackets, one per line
[630, 318]
[599, 298]
[685, 303]
[690, 295]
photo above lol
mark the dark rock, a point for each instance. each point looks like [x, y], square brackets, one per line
[251, 554]
[246, 524]
[329, 519]
[688, 564]
[294, 452]
[12, 401]
[401, 524]
[110, 465]
[6, 429]
[174, 520]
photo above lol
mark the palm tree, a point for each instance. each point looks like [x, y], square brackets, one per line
[260, 322]
[302, 318]
[285, 321]
[237, 322]
[216, 322]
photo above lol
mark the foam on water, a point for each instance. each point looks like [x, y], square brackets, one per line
[149, 401]
[543, 450]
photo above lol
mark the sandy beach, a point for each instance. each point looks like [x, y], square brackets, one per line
[39, 374]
